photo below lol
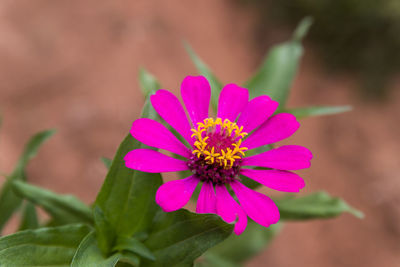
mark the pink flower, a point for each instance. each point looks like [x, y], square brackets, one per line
[217, 153]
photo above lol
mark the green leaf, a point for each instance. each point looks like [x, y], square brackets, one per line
[314, 206]
[277, 72]
[148, 82]
[63, 208]
[107, 162]
[42, 247]
[302, 29]
[32, 148]
[179, 237]
[88, 254]
[236, 249]
[128, 259]
[204, 70]
[29, 218]
[317, 111]
[127, 197]
[105, 232]
[213, 260]
[9, 202]
[135, 246]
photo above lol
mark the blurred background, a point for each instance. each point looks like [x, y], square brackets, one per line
[72, 65]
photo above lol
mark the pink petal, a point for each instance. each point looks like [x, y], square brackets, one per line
[170, 109]
[231, 101]
[147, 160]
[206, 203]
[196, 93]
[174, 195]
[282, 158]
[256, 112]
[153, 133]
[279, 180]
[257, 206]
[277, 128]
[229, 209]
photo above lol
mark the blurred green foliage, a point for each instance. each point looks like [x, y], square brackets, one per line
[350, 35]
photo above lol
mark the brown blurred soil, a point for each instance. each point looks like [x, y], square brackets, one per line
[72, 65]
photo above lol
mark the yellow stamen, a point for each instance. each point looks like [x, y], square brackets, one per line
[227, 129]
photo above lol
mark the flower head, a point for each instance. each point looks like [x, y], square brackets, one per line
[216, 151]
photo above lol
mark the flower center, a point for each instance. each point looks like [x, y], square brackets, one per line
[217, 150]
[219, 142]
[214, 173]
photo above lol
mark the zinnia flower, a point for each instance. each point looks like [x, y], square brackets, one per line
[217, 153]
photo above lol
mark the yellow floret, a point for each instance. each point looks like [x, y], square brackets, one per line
[226, 157]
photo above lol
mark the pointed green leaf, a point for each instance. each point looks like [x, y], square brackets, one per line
[213, 260]
[179, 237]
[107, 162]
[302, 29]
[204, 70]
[32, 148]
[128, 259]
[29, 218]
[127, 197]
[135, 246]
[63, 208]
[317, 111]
[141, 236]
[42, 247]
[88, 254]
[314, 206]
[105, 232]
[148, 82]
[9, 202]
[277, 72]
